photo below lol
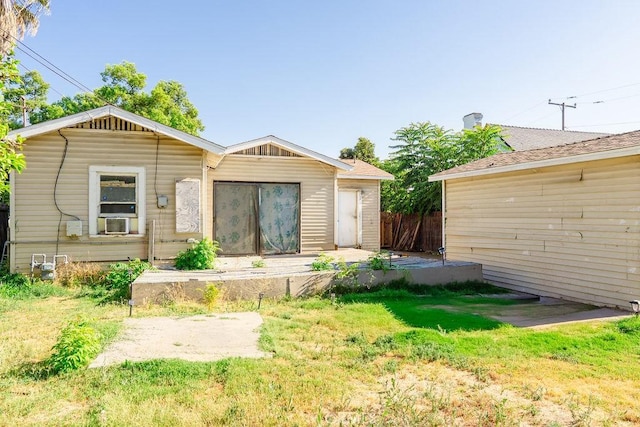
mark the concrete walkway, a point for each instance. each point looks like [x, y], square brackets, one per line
[195, 338]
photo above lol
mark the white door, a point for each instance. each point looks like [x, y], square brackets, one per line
[348, 218]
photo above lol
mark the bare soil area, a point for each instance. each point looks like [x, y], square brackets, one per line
[193, 338]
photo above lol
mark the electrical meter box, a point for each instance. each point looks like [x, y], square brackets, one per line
[74, 228]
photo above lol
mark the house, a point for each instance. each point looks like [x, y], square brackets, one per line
[106, 185]
[525, 138]
[560, 221]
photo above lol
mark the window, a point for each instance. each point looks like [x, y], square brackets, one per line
[117, 200]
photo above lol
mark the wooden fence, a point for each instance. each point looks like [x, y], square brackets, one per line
[411, 232]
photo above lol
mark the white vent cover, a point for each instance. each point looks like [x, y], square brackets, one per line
[116, 225]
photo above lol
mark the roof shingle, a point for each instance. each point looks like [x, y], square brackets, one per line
[502, 160]
[523, 138]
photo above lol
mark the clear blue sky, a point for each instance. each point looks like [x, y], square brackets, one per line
[323, 73]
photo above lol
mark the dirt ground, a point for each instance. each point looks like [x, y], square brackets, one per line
[193, 338]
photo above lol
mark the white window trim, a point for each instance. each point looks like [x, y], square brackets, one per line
[94, 195]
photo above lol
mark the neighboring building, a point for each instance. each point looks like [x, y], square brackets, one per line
[525, 138]
[107, 185]
[561, 221]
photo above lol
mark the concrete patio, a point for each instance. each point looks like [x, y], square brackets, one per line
[291, 275]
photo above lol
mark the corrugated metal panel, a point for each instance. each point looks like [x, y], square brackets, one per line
[567, 231]
[37, 218]
[370, 190]
[316, 191]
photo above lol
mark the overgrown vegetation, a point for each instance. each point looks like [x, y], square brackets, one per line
[380, 261]
[323, 262]
[401, 355]
[200, 256]
[77, 345]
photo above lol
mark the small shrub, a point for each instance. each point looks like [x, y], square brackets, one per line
[78, 344]
[259, 263]
[380, 261]
[200, 256]
[210, 295]
[324, 262]
[347, 275]
[120, 277]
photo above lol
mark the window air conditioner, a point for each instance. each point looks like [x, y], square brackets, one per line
[116, 226]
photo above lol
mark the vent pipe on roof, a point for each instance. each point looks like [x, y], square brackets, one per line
[472, 120]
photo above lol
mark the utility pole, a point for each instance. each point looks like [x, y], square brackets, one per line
[24, 111]
[562, 107]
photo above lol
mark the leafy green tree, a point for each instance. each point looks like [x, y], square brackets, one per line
[18, 18]
[11, 157]
[364, 150]
[425, 149]
[29, 91]
[167, 103]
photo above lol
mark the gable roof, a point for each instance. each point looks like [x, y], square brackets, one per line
[523, 138]
[110, 110]
[363, 170]
[620, 145]
[304, 152]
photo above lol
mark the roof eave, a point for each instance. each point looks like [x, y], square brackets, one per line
[372, 177]
[601, 155]
[109, 110]
[305, 152]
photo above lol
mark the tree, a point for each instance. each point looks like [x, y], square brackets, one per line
[30, 91]
[425, 149]
[10, 156]
[167, 103]
[364, 150]
[18, 18]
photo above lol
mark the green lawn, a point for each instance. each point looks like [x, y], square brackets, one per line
[385, 358]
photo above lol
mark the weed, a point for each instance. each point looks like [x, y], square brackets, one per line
[580, 415]
[210, 295]
[380, 261]
[390, 366]
[630, 325]
[119, 278]
[17, 286]
[386, 343]
[258, 263]
[347, 275]
[323, 262]
[80, 274]
[77, 345]
[200, 256]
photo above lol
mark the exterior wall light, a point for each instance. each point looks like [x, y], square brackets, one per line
[635, 306]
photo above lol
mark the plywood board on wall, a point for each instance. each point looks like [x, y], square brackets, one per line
[188, 206]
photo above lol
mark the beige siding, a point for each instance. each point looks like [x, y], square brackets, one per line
[36, 216]
[567, 231]
[316, 191]
[370, 190]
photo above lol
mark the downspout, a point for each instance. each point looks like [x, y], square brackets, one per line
[335, 209]
[12, 222]
[443, 213]
[203, 194]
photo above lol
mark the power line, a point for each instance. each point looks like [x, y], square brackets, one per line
[50, 87]
[605, 124]
[525, 111]
[49, 65]
[603, 90]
